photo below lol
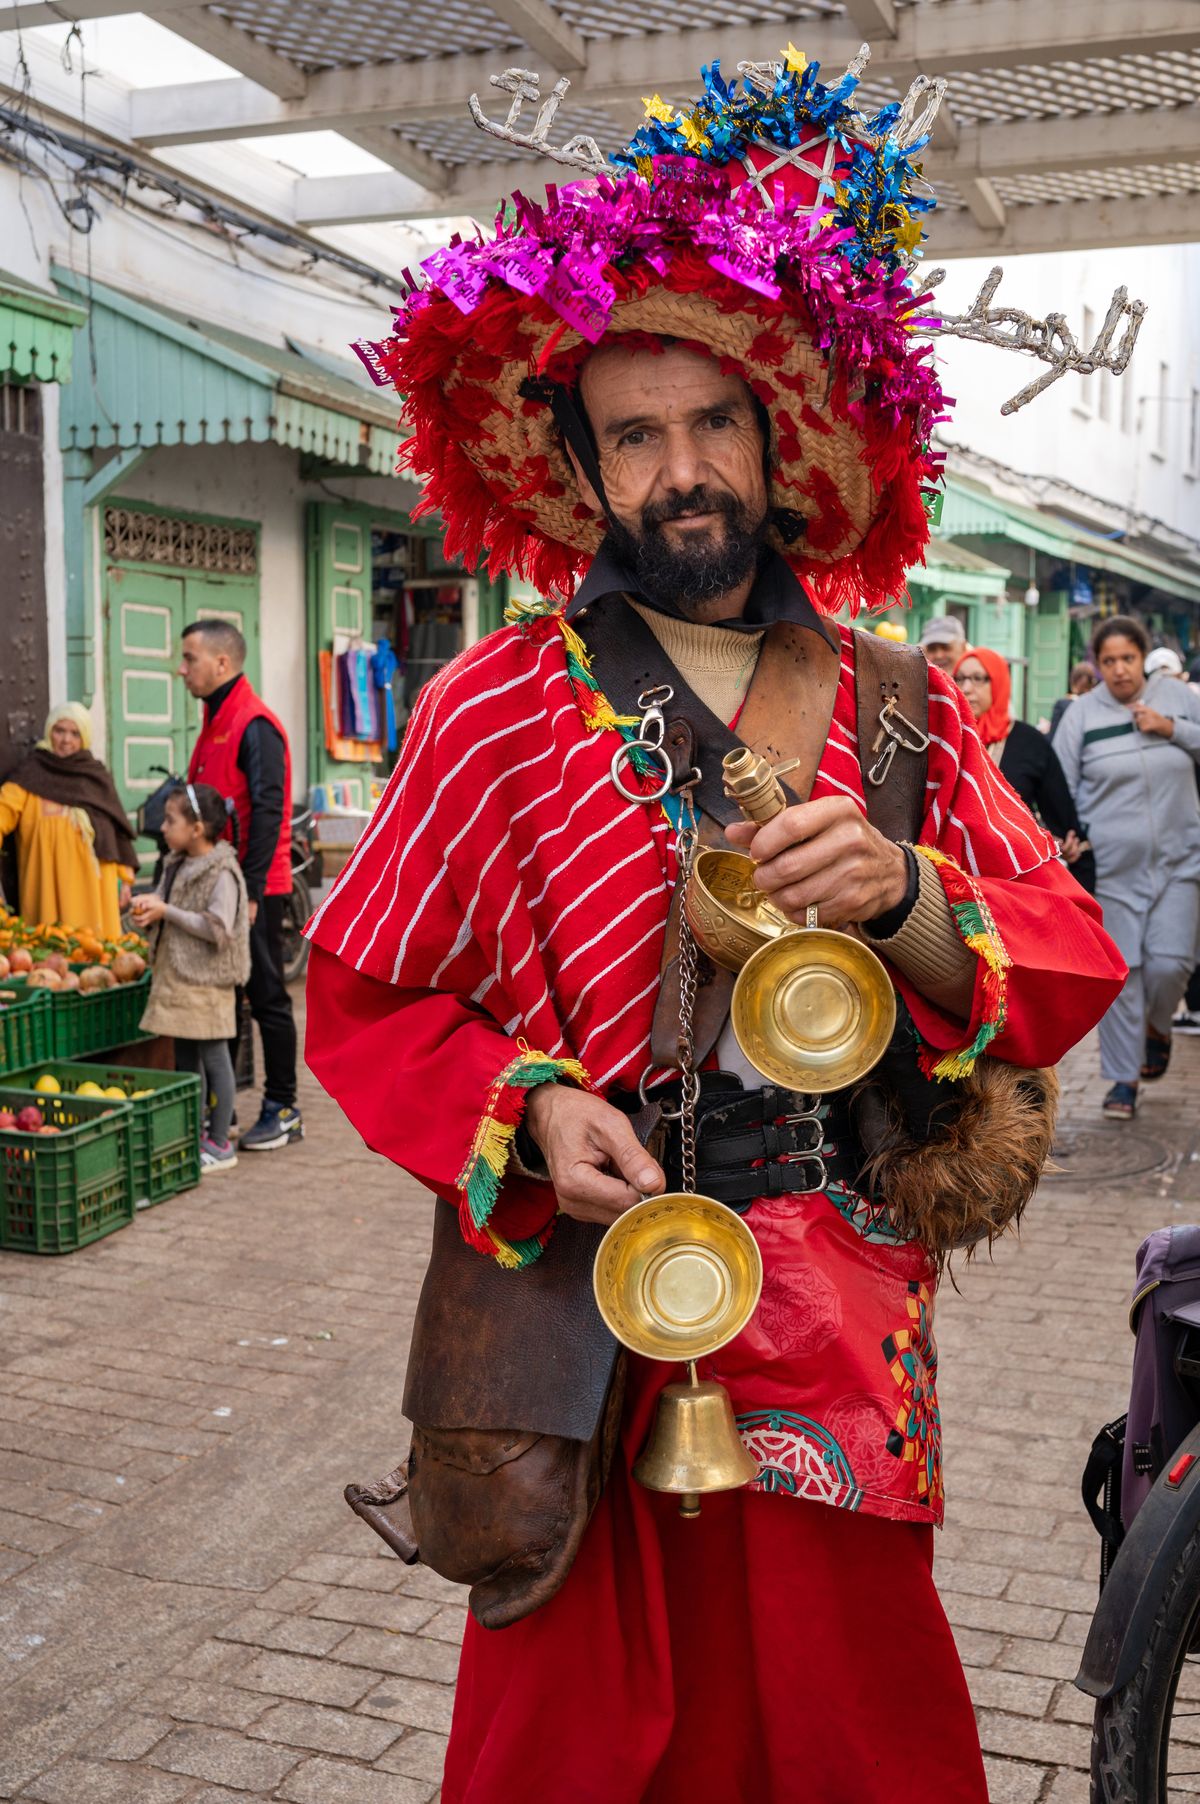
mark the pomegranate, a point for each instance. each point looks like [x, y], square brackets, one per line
[30, 1120]
[20, 961]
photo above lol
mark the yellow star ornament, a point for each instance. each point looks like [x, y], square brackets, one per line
[657, 108]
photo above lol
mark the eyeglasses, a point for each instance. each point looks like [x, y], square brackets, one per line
[977, 682]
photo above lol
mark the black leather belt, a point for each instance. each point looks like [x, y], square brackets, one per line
[764, 1142]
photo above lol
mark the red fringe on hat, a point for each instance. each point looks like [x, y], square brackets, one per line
[447, 360]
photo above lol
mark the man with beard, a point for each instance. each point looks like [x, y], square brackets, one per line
[673, 440]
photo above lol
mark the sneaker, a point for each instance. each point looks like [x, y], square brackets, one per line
[215, 1156]
[276, 1126]
[1186, 1023]
[1121, 1102]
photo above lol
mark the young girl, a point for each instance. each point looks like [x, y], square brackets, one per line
[201, 948]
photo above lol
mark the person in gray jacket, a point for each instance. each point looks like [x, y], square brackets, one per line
[1129, 752]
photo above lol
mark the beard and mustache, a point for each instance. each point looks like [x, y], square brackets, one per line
[683, 577]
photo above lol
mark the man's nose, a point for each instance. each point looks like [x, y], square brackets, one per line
[684, 466]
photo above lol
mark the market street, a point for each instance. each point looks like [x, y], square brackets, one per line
[188, 1611]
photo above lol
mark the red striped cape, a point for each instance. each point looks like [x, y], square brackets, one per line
[502, 866]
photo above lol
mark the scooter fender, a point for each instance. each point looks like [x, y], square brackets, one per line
[1148, 1556]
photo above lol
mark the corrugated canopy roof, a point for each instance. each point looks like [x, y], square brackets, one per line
[165, 377]
[1066, 125]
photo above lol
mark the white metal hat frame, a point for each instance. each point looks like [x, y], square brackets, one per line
[784, 124]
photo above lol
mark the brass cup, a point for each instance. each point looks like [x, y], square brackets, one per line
[677, 1276]
[813, 1010]
[728, 917]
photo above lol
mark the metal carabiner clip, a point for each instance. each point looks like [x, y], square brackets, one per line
[652, 730]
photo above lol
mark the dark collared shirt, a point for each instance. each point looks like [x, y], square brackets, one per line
[777, 595]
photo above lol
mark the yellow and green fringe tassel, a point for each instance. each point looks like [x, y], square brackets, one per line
[597, 713]
[973, 918]
[480, 1179]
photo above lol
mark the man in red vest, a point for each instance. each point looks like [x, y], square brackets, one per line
[243, 752]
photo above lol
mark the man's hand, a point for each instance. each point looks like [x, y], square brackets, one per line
[1149, 720]
[824, 854]
[124, 896]
[252, 911]
[595, 1161]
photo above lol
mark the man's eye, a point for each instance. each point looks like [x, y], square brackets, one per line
[720, 420]
[636, 436]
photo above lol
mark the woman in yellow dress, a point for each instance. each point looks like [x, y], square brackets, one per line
[75, 855]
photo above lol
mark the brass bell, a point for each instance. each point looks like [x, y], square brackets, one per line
[694, 1445]
[676, 1277]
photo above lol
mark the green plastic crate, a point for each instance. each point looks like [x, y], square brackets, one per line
[24, 1028]
[61, 1191]
[82, 1023]
[166, 1124]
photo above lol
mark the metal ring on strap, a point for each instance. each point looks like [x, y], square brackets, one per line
[626, 750]
[667, 1114]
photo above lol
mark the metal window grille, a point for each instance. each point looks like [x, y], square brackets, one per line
[137, 538]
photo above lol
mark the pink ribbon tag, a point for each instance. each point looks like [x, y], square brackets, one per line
[523, 266]
[460, 279]
[371, 354]
[579, 294]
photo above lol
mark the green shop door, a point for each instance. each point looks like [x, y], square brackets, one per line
[147, 703]
[152, 720]
[343, 592]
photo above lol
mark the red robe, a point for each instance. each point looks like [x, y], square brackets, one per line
[505, 889]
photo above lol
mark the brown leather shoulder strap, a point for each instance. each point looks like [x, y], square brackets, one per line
[885, 671]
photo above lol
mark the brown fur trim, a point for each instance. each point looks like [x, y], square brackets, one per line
[973, 1175]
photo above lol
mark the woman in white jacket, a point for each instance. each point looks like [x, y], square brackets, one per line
[1129, 751]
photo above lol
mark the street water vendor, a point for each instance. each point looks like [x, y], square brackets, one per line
[686, 401]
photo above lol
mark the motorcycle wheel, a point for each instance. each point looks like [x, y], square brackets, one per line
[296, 913]
[1146, 1737]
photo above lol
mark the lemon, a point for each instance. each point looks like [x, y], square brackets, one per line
[48, 1084]
[89, 1089]
[135, 1095]
[115, 1090]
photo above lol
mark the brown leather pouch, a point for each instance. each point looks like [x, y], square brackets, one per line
[514, 1388]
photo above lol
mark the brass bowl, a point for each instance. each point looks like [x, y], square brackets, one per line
[677, 1276]
[814, 1010]
[728, 917]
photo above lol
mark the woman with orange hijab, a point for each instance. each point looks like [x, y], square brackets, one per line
[1026, 758]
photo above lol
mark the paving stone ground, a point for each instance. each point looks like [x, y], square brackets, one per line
[188, 1613]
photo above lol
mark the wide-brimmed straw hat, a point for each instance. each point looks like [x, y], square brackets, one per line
[771, 227]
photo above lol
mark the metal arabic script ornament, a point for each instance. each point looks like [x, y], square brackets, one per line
[1005, 328]
[1049, 339]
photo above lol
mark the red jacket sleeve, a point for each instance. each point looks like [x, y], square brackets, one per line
[427, 1078]
[1064, 970]
[1046, 969]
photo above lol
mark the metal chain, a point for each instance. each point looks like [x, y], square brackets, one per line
[686, 841]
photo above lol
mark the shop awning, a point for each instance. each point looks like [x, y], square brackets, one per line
[166, 378]
[951, 570]
[972, 511]
[37, 331]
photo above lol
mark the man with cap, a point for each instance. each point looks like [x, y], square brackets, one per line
[685, 400]
[943, 642]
